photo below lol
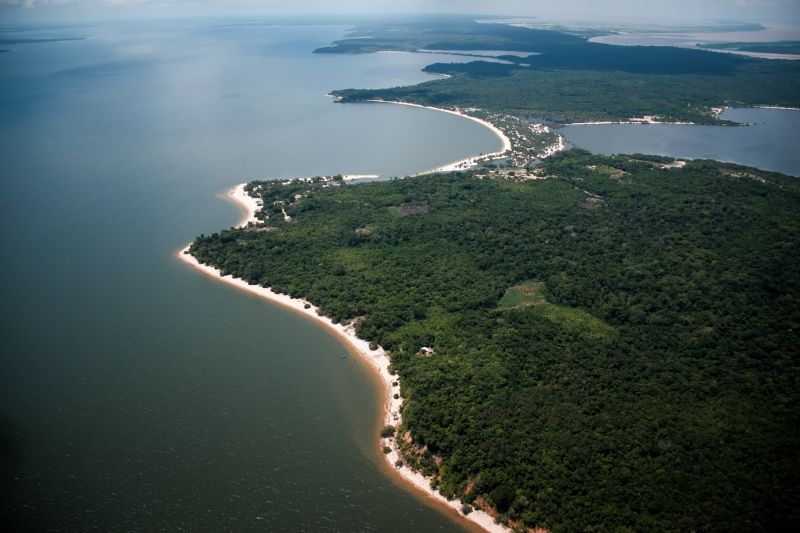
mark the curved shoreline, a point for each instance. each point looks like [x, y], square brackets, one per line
[639, 122]
[248, 204]
[716, 111]
[378, 360]
[467, 162]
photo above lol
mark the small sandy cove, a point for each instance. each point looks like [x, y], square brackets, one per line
[461, 164]
[378, 360]
[249, 205]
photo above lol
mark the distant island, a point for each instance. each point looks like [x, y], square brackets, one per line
[569, 341]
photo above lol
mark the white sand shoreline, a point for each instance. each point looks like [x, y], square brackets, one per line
[640, 122]
[770, 107]
[378, 360]
[248, 204]
[468, 162]
[716, 111]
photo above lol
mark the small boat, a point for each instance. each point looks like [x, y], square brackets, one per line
[344, 355]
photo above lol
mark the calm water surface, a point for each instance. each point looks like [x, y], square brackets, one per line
[768, 141]
[689, 39]
[135, 394]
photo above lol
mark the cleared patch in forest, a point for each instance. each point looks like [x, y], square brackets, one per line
[576, 321]
[523, 294]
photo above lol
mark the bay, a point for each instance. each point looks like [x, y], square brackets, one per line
[766, 140]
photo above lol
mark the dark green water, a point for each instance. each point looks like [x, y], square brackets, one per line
[136, 394]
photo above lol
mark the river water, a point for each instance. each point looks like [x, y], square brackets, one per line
[136, 394]
[768, 140]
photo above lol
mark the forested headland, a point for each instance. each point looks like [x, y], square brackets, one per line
[566, 78]
[610, 348]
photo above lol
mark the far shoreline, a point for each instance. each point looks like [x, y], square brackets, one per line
[653, 120]
[378, 360]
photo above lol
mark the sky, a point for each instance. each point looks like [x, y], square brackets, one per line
[604, 10]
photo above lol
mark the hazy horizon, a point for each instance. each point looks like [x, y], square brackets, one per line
[620, 11]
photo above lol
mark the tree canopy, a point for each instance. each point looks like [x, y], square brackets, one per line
[612, 347]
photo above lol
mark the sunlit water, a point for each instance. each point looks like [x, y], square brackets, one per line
[136, 394]
[768, 141]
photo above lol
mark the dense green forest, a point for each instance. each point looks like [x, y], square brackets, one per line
[615, 346]
[567, 78]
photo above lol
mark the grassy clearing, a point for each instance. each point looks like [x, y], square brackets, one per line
[575, 321]
[525, 294]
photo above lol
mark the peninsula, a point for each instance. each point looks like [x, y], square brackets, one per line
[566, 340]
[591, 323]
[565, 78]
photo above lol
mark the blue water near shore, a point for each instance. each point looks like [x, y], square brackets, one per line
[136, 394]
[767, 141]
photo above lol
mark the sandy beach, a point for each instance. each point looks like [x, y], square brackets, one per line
[248, 204]
[643, 121]
[778, 107]
[468, 162]
[378, 359]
